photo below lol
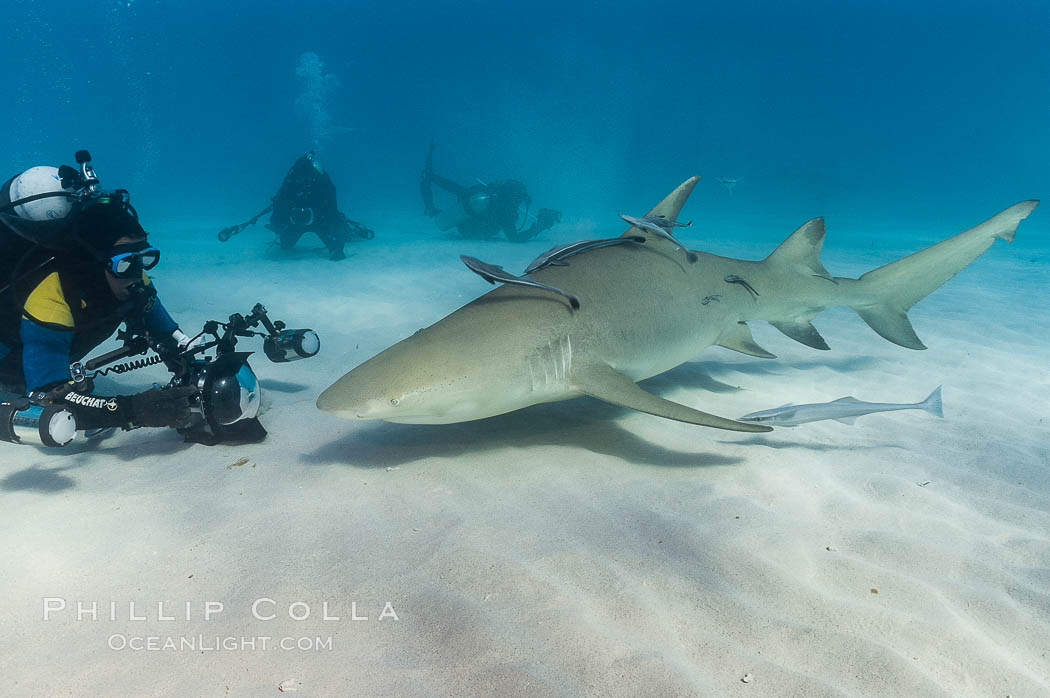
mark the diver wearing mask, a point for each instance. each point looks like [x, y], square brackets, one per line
[484, 210]
[74, 265]
[306, 202]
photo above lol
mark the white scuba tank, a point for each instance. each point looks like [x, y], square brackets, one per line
[41, 179]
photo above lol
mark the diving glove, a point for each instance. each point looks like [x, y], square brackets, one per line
[546, 219]
[157, 407]
[161, 407]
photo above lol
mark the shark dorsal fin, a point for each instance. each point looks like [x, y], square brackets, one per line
[848, 398]
[672, 204]
[801, 249]
[738, 338]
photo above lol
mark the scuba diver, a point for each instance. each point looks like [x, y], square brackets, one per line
[73, 263]
[484, 210]
[306, 203]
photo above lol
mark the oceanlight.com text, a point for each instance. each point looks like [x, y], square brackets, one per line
[217, 643]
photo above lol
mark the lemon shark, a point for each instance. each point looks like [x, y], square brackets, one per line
[643, 309]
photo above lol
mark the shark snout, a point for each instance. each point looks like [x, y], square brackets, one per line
[343, 403]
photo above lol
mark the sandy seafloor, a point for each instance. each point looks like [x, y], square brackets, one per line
[568, 549]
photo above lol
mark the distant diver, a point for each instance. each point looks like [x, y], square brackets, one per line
[305, 203]
[484, 210]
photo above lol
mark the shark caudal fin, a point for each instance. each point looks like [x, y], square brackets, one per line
[932, 403]
[885, 294]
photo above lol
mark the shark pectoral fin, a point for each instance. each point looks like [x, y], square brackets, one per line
[892, 324]
[846, 420]
[801, 330]
[738, 338]
[608, 384]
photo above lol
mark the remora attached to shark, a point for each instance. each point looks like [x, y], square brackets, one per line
[641, 313]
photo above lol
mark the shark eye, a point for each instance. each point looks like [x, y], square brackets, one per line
[394, 401]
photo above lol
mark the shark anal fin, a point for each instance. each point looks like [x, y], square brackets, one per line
[803, 331]
[738, 338]
[891, 324]
[608, 384]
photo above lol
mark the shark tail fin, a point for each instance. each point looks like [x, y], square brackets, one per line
[932, 403]
[885, 295]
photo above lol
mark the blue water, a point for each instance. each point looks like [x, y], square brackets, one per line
[934, 115]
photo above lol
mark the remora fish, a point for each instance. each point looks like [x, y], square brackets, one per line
[661, 226]
[845, 409]
[493, 273]
[641, 315]
[729, 182]
[556, 256]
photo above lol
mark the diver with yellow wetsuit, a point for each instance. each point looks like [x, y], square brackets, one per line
[76, 263]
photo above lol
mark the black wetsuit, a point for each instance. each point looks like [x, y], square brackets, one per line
[489, 209]
[306, 202]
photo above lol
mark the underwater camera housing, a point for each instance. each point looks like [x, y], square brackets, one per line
[228, 391]
[228, 400]
[228, 394]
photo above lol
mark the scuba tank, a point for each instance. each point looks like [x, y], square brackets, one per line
[35, 206]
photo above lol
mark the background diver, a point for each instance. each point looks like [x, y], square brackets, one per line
[73, 265]
[483, 210]
[306, 202]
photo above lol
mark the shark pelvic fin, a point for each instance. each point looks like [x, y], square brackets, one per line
[801, 330]
[608, 384]
[738, 338]
[891, 324]
[801, 250]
